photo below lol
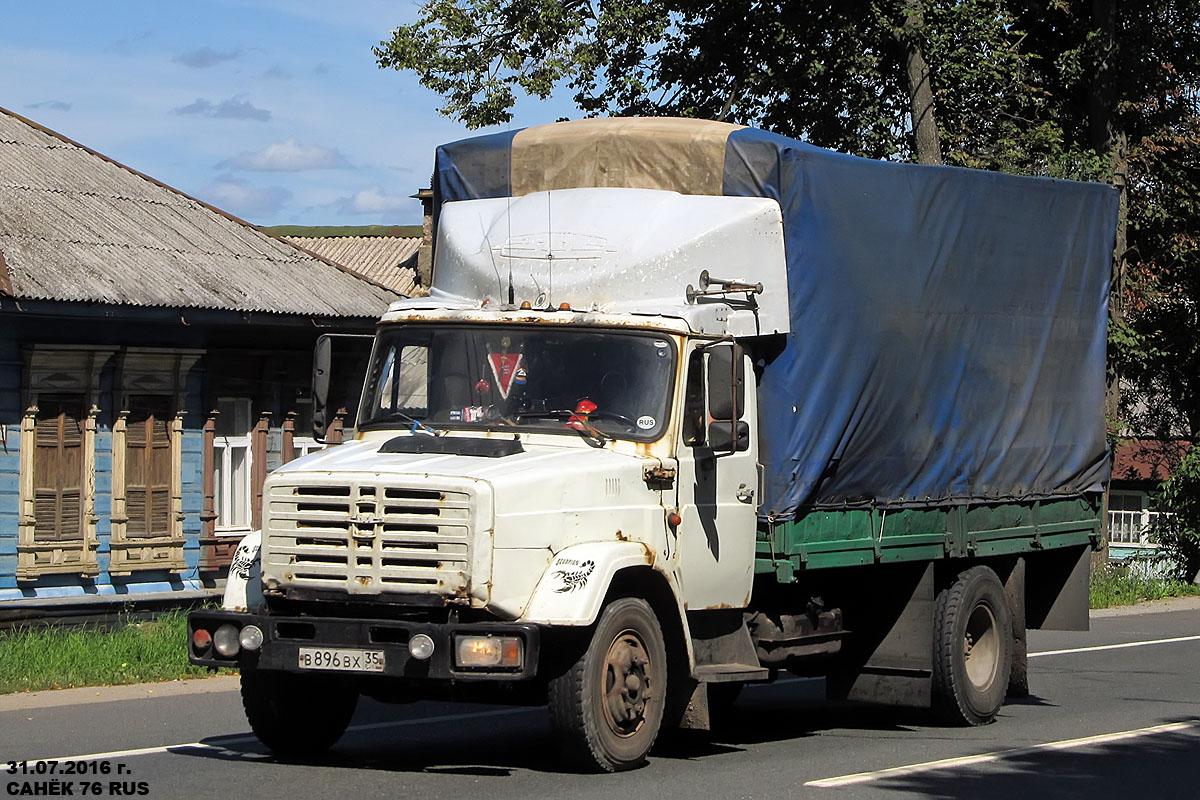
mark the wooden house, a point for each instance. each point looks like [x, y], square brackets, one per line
[155, 361]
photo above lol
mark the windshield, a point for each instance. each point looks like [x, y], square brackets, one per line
[545, 379]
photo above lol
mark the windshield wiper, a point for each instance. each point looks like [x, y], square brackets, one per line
[416, 423]
[580, 424]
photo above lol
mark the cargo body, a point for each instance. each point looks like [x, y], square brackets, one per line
[690, 404]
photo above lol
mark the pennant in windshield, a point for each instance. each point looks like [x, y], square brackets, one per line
[505, 367]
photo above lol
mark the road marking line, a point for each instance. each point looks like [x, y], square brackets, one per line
[220, 742]
[1120, 646]
[983, 758]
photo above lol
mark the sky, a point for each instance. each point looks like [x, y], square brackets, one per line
[273, 110]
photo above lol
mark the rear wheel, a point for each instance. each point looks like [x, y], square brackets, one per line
[297, 715]
[608, 707]
[972, 648]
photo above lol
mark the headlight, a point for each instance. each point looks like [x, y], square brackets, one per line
[420, 647]
[225, 640]
[251, 637]
[488, 651]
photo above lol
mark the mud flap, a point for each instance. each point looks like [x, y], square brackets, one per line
[890, 658]
[1056, 594]
[1014, 591]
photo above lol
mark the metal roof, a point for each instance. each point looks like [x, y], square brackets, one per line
[78, 226]
[390, 260]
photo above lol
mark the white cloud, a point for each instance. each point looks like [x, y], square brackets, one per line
[233, 108]
[53, 105]
[206, 57]
[244, 199]
[289, 155]
[374, 200]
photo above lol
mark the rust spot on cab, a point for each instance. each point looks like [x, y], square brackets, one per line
[621, 537]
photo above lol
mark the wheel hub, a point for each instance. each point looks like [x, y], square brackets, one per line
[627, 683]
[981, 647]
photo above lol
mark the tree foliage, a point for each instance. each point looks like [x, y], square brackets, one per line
[1178, 531]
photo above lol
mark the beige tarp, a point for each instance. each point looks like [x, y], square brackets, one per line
[682, 155]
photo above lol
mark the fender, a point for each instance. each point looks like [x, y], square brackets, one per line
[243, 587]
[573, 587]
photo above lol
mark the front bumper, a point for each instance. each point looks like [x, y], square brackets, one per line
[284, 636]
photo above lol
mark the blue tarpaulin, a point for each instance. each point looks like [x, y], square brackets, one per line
[948, 325]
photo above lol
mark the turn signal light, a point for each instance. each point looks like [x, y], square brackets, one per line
[488, 651]
[201, 641]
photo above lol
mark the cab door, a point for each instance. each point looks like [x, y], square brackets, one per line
[718, 476]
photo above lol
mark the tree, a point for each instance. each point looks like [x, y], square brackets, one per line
[853, 76]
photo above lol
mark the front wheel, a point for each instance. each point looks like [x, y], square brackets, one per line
[297, 715]
[607, 708]
[972, 648]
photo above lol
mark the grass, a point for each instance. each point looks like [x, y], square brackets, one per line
[1116, 586]
[57, 657]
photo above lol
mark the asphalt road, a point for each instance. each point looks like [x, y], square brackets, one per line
[1119, 721]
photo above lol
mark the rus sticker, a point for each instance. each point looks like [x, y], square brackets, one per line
[646, 422]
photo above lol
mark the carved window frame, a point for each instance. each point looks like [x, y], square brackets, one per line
[158, 372]
[59, 369]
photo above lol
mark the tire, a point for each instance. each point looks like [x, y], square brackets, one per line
[607, 708]
[297, 715]
[972, 649]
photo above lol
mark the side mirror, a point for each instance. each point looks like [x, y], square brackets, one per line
[339, 366]
[726, 400]
[322, 363]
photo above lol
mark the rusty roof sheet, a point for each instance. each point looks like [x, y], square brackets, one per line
[390, 260]
[1148, 459]
[75, 225]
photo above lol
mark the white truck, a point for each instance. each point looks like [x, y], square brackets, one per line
[655, 431]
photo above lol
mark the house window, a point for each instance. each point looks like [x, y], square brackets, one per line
[1128, 518]
[58, 469]
[148, 467]
[56, 519]
[232, 461]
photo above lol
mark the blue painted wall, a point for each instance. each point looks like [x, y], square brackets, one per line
[295, 339]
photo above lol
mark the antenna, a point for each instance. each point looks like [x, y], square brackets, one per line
[549, 247]
[512, 300]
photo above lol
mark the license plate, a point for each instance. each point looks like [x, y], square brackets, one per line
[341, 659]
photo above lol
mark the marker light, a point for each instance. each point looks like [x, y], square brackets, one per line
[488, 651]
[526, 305]
[201, 641]
[420, 647]
[564, 306]
[251, 638]
[674, 520]
[226, 640]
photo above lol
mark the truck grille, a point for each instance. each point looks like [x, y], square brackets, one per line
[368, 538]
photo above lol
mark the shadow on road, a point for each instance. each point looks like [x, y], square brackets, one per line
[521, 739]
[1160, 765]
